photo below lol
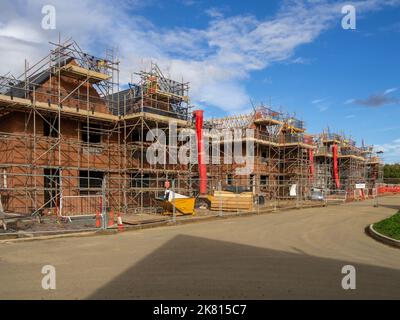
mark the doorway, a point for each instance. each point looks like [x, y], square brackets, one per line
[51, 188]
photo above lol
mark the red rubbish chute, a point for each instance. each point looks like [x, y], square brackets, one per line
[335, 165]
[200, 151]
[311, 154]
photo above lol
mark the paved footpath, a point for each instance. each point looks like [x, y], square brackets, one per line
[292, 254]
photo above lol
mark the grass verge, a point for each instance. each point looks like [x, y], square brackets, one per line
[389, 227]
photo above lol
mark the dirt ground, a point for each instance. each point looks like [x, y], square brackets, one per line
[288, 254]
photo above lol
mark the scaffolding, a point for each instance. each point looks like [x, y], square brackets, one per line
[357, 166]
[68, 130]
[281, 156]
[323, 163]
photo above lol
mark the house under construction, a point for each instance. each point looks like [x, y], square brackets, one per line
[72, 140]
[341, 165]
[69, 135]
[281, 154]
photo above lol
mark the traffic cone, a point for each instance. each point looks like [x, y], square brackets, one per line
[111, 220]
[119, 221]
[98, 222]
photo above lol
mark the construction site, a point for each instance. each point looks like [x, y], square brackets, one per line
[74, 142]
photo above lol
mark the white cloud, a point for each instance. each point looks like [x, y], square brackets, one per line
[230, 95]
[214, 12]
[349, 101]
[390, 90]
[391, 151]
[214, 60]
[322, 107]
[321, 104]
[20, 30]
[300, 60]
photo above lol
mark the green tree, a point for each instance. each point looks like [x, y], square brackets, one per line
[391, 170]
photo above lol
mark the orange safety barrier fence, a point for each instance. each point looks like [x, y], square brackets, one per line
[388, 189]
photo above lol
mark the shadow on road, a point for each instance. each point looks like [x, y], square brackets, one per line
[190, 267]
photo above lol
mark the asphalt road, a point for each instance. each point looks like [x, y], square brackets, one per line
[293, 254]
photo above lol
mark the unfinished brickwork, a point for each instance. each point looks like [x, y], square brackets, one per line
[67, 130]
[281, 155]
[355, 165]
[72, 140]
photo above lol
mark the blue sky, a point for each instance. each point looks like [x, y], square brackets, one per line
[293, 54]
